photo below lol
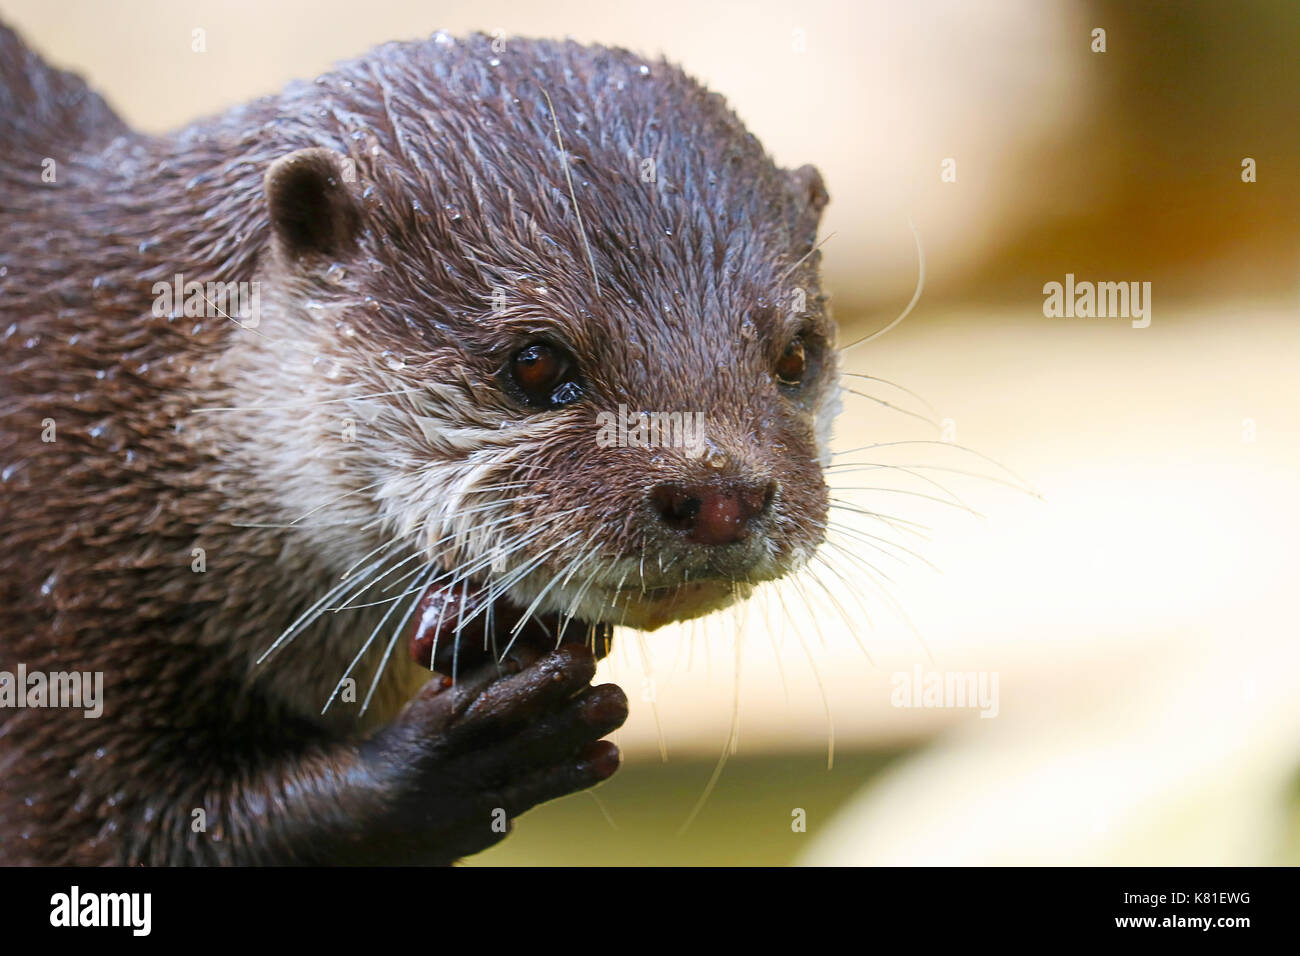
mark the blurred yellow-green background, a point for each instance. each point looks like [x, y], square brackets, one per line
[1138, 609]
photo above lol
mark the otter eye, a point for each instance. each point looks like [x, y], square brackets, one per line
[790, 366]
[545, 375]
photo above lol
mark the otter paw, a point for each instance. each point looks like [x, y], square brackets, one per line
[464, 759]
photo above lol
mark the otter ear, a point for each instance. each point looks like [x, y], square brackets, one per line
[313, 210]
[810, 199]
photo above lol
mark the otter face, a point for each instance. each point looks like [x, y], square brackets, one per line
[689, 465]
[635, 455]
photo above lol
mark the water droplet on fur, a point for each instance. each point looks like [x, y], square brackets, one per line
[644, 70]
[395, 362]
[336, 273]
[48, 584]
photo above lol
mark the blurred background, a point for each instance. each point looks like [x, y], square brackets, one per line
[1099, 517]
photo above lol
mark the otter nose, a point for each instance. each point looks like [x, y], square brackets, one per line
[711, 513]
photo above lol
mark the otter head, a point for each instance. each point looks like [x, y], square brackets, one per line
[592, 381]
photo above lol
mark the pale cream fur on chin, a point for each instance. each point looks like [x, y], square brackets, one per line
[604, 602]
[687, 602]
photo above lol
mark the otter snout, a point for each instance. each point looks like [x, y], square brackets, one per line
[715, 512]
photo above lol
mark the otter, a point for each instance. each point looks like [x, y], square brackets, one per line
[346, 549]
